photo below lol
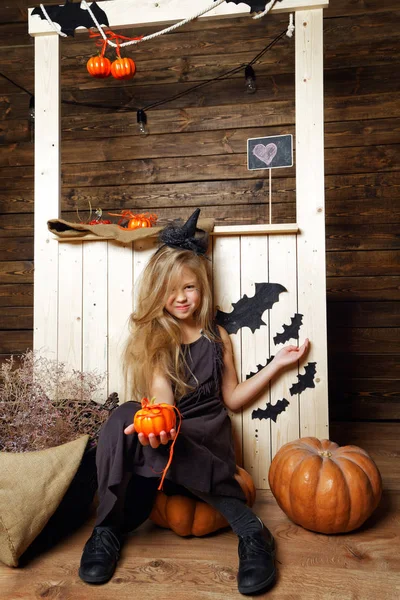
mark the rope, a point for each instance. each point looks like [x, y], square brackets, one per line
[153, 35]
[53, 25]
[290, 28]
[267, 9]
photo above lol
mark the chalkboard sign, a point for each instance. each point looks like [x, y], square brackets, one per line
[270, 152]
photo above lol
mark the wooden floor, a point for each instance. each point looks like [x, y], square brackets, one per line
[364, 565]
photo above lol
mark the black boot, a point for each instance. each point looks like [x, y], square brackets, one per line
[100, 555]
[256, 561]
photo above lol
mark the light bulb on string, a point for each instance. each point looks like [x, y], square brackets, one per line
[142, 122]
[250, 80]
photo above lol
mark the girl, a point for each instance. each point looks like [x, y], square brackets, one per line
[177, 354]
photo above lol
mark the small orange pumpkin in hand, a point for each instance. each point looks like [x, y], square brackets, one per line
[154, 418]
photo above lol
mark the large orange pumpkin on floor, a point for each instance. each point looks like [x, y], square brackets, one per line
[324, 487]
[188, 516]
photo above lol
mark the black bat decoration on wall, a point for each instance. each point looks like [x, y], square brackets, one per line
[70, 16]
[306, 380]
[290, 331]
[270, 411]
[247, 312]
[259, 367]
[255, 5]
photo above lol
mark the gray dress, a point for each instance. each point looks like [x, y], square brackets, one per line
[204, 456]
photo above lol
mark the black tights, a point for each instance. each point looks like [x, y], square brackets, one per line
[137, 494]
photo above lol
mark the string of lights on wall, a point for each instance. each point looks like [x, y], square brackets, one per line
[141, 113]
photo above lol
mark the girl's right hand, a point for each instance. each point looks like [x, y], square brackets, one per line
[153, 440]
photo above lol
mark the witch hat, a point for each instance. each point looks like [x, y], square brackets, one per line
[186, 237]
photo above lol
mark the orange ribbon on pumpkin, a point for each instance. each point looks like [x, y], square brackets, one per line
[171, 451]
[111, 35]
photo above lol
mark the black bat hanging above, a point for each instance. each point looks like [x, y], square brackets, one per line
[71, 15]
[306, 380]
[271, 411]
[290, 331]
[259, 367]
[247, 312]
[255, 5]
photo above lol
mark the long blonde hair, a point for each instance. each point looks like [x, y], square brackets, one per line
[155, 340]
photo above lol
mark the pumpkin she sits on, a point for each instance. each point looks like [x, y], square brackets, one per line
[189, 516]
[324, 487]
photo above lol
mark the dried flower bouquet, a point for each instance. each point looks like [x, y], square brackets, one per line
[43, 405]
[49, 425]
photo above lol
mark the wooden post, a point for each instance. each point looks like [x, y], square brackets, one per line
[311, 214]
[47, 192]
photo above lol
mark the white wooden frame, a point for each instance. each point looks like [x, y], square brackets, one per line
[56, 301]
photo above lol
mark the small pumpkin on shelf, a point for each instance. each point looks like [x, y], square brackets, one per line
[129, 220]
[324, 487]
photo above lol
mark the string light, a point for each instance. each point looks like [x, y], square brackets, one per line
[141, 118]
[250, 80]
[141, 114]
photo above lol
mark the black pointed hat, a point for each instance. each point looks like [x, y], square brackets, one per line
[186, 237]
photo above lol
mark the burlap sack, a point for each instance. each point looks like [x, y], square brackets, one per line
[81, 231]
[32, 485]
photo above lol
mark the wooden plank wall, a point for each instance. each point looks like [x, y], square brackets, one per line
[195, 156]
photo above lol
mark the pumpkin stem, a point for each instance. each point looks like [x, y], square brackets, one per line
[326, 453]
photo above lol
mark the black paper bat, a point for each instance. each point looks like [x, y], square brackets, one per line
[290, 331]
[70, 16]
[306, 380]
[255, 5]
[270, 411]
[259, 367]
[247, 311]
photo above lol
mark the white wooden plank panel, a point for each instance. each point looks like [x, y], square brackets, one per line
[70, 316]
[283, 270]
[226, 289]
[124, 13]
[142, 252]
[311, 214]
[255, 350]
[47, 194]
[120, 281]
[95, 312]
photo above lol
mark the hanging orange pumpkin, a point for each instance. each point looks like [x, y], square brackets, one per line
[123, 68]
[324, 487]
[154, 418]
[99, 66]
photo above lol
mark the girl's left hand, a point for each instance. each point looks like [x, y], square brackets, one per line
[289, 355]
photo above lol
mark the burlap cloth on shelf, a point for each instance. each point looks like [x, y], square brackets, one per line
[80, 231]
[32, 485]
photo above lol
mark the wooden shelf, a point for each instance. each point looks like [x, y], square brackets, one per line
[219, 230]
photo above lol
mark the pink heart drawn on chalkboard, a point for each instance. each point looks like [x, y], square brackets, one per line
[265, 153]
